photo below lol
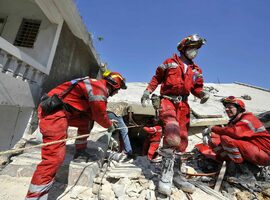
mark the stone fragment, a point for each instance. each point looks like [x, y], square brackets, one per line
[150, 195]
[266, 192]
[244, 195]
[119, 189]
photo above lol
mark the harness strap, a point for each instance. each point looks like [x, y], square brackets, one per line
[175, 99]
[73, 84]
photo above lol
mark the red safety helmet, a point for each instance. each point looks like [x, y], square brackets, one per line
[233, 100]
[194, 40]
[115, 79]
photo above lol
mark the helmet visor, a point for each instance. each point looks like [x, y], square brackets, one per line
[195, 40]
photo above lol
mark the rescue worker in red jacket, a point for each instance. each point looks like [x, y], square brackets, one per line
[152, 141]
[243, 140]
[179, 76]
[85, 103]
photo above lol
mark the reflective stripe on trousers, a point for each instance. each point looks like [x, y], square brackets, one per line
[230, 146]
[39, 192]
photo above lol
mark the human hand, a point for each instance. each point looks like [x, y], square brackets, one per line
[207, 135]
[206, 139]
[207, 131]
[204, 96]
[145, 96]
[114, 126]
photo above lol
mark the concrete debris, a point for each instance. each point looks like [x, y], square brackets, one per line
[243, 195]
[119, 189]
[266, 192]
[210, 89]
[183, 184]
[130, 180]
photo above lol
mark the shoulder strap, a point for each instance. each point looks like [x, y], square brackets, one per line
[74, 82]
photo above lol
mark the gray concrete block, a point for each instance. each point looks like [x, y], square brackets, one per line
[19, 170]
[83, 174]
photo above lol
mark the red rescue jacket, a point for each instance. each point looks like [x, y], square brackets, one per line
[173, 79]
[249, 128]
[88, 96]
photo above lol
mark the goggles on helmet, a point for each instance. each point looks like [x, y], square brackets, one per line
[229, 99]
[115, 79]
[233, 100]
[194, 40]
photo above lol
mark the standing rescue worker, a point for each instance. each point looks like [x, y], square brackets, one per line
[116, 112]
[82, 101]
[243, 140]
[179, 76]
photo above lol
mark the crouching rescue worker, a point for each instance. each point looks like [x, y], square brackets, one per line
[77, 103]
[179, 76]
[152, 141]
[243, 141]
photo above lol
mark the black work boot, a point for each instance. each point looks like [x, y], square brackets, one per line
[82, 155]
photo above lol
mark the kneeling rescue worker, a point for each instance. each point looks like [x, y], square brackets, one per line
[179, 76]
[77, 103]
[243, 141]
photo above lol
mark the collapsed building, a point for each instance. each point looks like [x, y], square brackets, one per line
[140, 171]
[42, 44]
[59, 49]
[202, 115]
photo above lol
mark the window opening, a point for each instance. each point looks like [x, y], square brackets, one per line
[27, 33]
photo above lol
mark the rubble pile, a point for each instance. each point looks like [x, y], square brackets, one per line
[138, 179]
[135, 179]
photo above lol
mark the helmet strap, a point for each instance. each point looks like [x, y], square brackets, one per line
[111, 89]
[236, 117]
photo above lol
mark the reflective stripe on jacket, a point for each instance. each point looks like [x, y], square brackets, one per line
[88, 96]
[248, 128]
[175, 81]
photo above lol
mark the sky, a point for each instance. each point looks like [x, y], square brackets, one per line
[138, 35]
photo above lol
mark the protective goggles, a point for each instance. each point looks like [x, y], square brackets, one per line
[123, 80]
[111, 79]
[230, 99]
[195, 40]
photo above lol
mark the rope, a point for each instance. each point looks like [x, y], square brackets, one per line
[55, 142]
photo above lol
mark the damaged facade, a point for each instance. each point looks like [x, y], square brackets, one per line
[42, 44]
[61, 49]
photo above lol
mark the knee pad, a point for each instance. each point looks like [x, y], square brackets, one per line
[172, 136]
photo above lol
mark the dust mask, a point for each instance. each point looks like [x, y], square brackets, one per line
[192, 53]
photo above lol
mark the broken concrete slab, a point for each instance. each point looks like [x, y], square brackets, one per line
[121, 170]
[83, 174]
[80, 174]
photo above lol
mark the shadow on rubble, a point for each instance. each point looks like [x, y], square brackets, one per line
[73, 173]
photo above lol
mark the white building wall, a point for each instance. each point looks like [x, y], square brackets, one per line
[15, 11]
[13, 125]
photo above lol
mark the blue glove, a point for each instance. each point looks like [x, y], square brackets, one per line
[145, 96]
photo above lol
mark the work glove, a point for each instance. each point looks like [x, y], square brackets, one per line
[114, 126]
[207, 135]
[145, 96]
[206, 139]
[204, 96]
